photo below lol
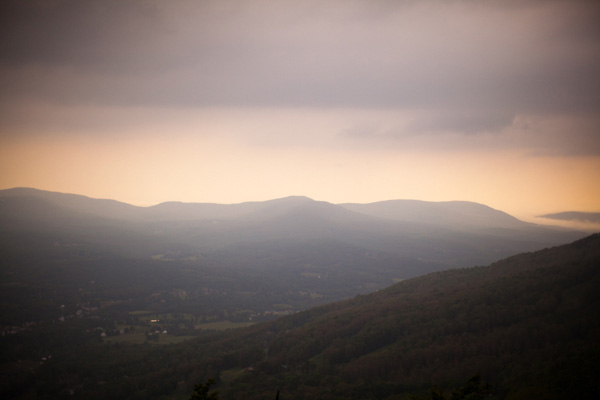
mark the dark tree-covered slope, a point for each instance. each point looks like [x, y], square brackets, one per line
[529, 324]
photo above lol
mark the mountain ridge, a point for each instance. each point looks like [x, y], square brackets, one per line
[447, 234]
[77, 200]
[463, 213]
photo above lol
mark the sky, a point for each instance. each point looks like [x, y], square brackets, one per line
[228, 101]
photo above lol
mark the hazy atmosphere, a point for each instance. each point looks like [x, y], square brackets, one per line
[342, 101]
[345, 199]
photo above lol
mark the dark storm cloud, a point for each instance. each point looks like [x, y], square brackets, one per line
[465, 66]
[94, 34]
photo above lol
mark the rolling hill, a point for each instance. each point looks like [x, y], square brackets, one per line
[439, 234]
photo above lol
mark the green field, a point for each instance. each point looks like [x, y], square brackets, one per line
[137, 334]
[140, 312]
[140, 337]
[222, 325]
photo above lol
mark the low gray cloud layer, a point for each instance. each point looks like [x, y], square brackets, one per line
[463, 66]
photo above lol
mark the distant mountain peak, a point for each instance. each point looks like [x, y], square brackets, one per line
[455, 213]
[291, 200]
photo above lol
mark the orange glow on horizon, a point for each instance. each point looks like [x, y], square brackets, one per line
[150, 171]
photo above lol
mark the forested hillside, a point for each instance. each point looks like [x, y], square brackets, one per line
[529, 325]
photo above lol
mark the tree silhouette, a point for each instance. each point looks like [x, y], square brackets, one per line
[201, 391]
[473, 389]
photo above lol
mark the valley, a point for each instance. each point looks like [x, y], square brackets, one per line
[102, 299]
